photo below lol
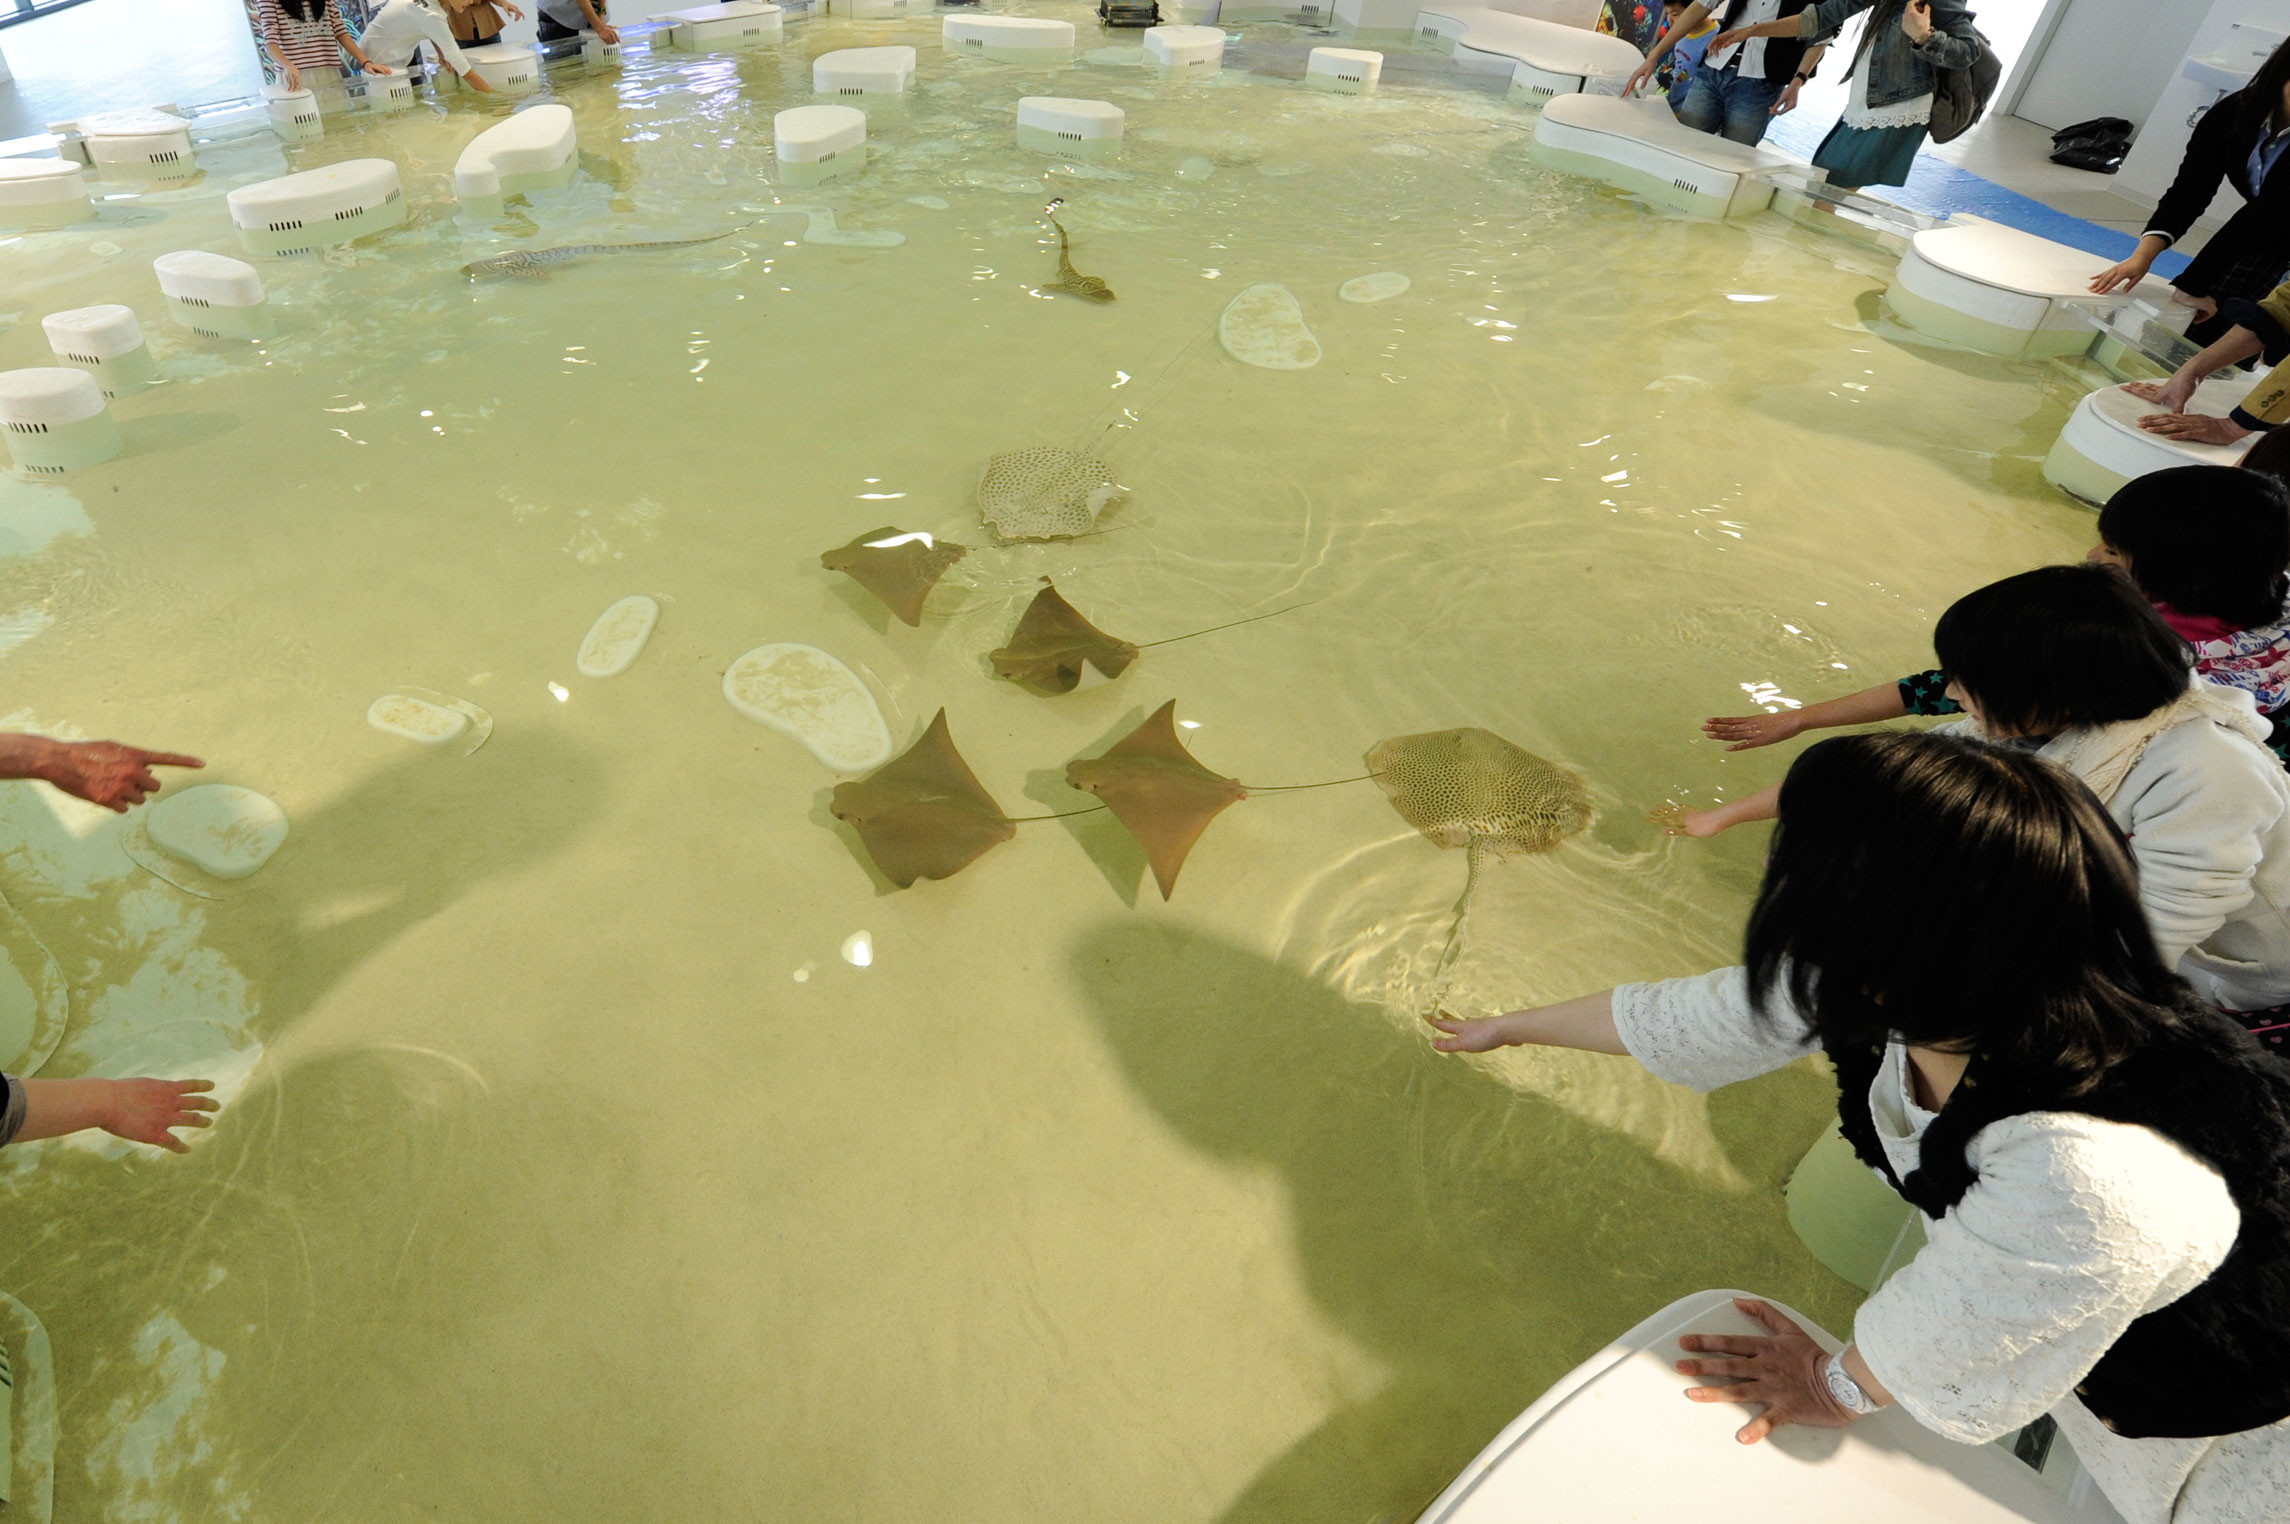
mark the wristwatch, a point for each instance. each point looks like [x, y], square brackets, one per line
[1845, 1389]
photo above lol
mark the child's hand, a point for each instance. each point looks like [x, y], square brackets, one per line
[146, 1110]
[1677, 820]
[293, 77]
[1747, 732]
[1481, 1035]
[375, 68]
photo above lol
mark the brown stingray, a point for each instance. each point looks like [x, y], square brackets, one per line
[1050, 644]
[1070, 280]
[899, 566]
[1155, 788]
[924, 814]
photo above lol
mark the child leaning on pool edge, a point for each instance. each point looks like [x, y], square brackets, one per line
[2209, 546]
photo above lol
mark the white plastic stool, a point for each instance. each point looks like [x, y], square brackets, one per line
[815, 142]
[293, 113]
[55, 420]
[1021, 38]
[107, 342]
[1056, 124]
[388, 92]
[150, 144]
[533, 150]
[1349, 71]
[735, 24]
[214, 295]
[879, 10]
[43, 193]
[510, 70]
[863, 71]
[298, 213]
[1186, 49]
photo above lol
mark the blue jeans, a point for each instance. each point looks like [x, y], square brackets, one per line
[1724, 102]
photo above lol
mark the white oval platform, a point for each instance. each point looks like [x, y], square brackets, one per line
[293, 113]
[107, 342]
[1186, 49]
[734, 24]
[55, 420]
[1639, 146]
[387, 92]
[1543, 58]
[1058, 124]
[534, 149]
[863, 71]
[880, 10]
[1013, 37]
[2002, 291]
[43, 193]
[2102, 446]
[814, 142]
[214, 295]
[150, 144]
[295, 214]
[508, 69]
[1348, 71]
[1615, 1440]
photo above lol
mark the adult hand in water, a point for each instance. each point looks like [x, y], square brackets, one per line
[1747, 732]
[101, 772]
[1783, 1373]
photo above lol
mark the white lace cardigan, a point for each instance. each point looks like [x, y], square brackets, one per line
[2075, 1227]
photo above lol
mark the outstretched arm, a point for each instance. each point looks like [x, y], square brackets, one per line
[1748, 731]
[139, 1110]
[101, 772]
[1585, 1022]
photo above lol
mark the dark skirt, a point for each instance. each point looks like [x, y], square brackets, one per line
[1857, 156]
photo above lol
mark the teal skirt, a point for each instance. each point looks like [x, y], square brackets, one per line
[1857, 156]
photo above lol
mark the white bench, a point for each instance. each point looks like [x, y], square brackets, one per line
[1542, 58]
[214, 295]
[863, 71]
[814, 143]
[43, 193]
[55, 420]
[1186, 49]
[1639, 146]
[301, 213]
[2004, 292]
[1020, 38]
[1061, 125]
[734, 24]
[533, 150]
[2103, 446]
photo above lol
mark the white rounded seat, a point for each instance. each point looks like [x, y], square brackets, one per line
[293, 113]
[1186, 49]
[150, 143]
[1059, 124]
[2002, 291]
[2102, 446]
[507, 68]
[387, 92]
[107, 342]
[1639, 146]
[213, 295]
[335, 203]
[879, 10]
[1543, 58]
[734, 24]
[55, 420]
[43, 193]
[814, 142]
[1349, 71]
[1016, 37]
[863, 71]
[533, 150]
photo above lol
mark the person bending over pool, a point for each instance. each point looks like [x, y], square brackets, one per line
[1734, 91]
[561, 19]
[2069, 662]
[2101, 1160]
[101, 772]
[478, 24]
[400, 27]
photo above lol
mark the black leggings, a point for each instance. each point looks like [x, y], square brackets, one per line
[550, 29]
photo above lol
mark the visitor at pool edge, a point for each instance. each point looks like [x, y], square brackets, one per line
[479, 23]
[2098, 1156]
[562, 19]
[310, 35]
[1888, 115]
[2251, 328]
[400, 27]
[1733, 92]
[101, 772]
[2239, 142]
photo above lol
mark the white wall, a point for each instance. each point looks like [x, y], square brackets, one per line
[2154, 158]
[2106, 58]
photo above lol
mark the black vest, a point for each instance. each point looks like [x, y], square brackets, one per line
[2217, 1360]
[1782, 54]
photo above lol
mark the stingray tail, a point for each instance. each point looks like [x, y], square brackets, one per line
[1457, 933]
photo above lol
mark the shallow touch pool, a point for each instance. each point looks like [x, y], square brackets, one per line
[575, 1169]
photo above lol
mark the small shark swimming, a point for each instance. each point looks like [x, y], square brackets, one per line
[1071, 281]
[531, 264]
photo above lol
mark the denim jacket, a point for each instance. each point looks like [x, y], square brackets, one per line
[1899, 70]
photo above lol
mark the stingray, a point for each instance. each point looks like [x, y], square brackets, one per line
[1053, 641]
[899, 566]
[924, 814]
[1155, 788]
[1472, 789]
[1046, 493]
[1071, 281]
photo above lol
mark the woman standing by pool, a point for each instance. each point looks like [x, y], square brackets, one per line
[2102, 1160]
[1894, 72]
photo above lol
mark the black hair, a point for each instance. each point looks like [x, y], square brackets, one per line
[303, 10]
[2262, 97]
[2271, 455]
[1959, 896]
[2210, 540]
[2061, 646]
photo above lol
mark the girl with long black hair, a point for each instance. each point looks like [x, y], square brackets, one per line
[306, 40]
[2102, 1160]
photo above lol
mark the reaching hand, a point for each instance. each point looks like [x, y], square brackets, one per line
[1677, 820]
[1783, 1373]
[293, 76]
[476, 82]
[1724, 40]
[514, 13]
[1747, 732]
[107, 773]
[2195, 428]
[1788, 100]
[375, 68]
[2121, 276]
[608, 33]
[2206, 307]
[2170, 396]
[146, 1110]
[1640, 78]
[1481, 1035]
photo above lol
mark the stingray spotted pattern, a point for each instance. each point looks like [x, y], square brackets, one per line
[1471, 788]
[1046, 493]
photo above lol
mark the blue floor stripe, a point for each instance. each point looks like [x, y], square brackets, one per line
[1936, 187]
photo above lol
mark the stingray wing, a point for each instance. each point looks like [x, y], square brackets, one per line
[923, 814]
[1153, 786]
[1050, 644]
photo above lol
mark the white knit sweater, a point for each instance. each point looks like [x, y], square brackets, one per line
[2074, 1227]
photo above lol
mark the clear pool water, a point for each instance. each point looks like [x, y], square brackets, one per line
[570, 1168]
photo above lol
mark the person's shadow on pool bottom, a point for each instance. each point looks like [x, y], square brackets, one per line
[1476, 1241]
